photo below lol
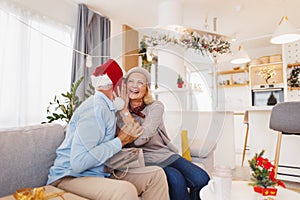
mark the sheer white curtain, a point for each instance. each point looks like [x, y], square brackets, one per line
[35, 65]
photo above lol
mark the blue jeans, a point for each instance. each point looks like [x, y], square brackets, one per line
[182, 174]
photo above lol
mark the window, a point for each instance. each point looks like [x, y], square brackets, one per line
[35, 65]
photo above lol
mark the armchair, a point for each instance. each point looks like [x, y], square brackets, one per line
[205, 131]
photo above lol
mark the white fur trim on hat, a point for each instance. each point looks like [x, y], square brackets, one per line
[140, 70]
[101, 82]
[119, 103]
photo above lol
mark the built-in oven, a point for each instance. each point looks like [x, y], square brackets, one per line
[267, 95]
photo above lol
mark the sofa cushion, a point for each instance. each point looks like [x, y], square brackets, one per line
[201, 148]
[27, 153]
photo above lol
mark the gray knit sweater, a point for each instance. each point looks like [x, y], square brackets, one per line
[154, 141]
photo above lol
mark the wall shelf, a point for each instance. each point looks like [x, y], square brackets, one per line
[243, 70]
[231, 83]
[293, 65]
[234, 85]
[294, 88]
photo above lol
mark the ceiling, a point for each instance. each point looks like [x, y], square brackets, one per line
[251, 21]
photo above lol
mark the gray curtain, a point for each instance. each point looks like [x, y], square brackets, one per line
[92, 37]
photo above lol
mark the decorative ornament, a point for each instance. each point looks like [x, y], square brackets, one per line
[180, 82]
[272, 100]
[267, 193]
[266, 73]
[294, 78]
[89, 61]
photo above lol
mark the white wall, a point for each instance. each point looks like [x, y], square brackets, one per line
[116, 40]
[264, 51]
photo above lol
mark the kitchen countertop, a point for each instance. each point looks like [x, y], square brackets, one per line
[260, 108]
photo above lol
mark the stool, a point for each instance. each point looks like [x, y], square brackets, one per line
[246, 121]
[284, 119]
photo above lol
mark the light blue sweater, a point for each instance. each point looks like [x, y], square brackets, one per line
[90, 140]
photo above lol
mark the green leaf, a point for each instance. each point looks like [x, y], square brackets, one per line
[63, 109]
[65, 104]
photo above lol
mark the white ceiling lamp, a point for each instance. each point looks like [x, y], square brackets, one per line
[285, 32]
[240, 57]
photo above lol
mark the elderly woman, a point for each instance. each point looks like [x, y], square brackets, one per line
[181, 174]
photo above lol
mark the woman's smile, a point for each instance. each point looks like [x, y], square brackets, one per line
[136, 86]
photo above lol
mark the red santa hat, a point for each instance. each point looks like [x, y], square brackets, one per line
[107, 75]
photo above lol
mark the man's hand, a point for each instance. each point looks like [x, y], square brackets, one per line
[129, 133]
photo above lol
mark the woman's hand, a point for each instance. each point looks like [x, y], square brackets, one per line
[120, 99]
[121, 93]
[124, 95]
[124, 113]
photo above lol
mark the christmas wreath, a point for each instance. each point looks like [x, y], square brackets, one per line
[294, 78]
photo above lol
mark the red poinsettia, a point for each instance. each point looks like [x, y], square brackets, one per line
[263, 172]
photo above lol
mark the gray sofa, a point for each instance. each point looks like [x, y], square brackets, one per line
[27, 153]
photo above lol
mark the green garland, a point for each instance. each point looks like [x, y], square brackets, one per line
[205, 44]
[192, 40]
[294, 78]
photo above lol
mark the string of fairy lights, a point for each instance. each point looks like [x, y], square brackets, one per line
[206, 43]
[88, 56]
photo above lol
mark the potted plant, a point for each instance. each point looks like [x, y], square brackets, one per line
[180, 82]
[263, 176]
[64, 105]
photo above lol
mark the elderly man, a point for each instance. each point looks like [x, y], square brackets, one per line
[91, 140]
